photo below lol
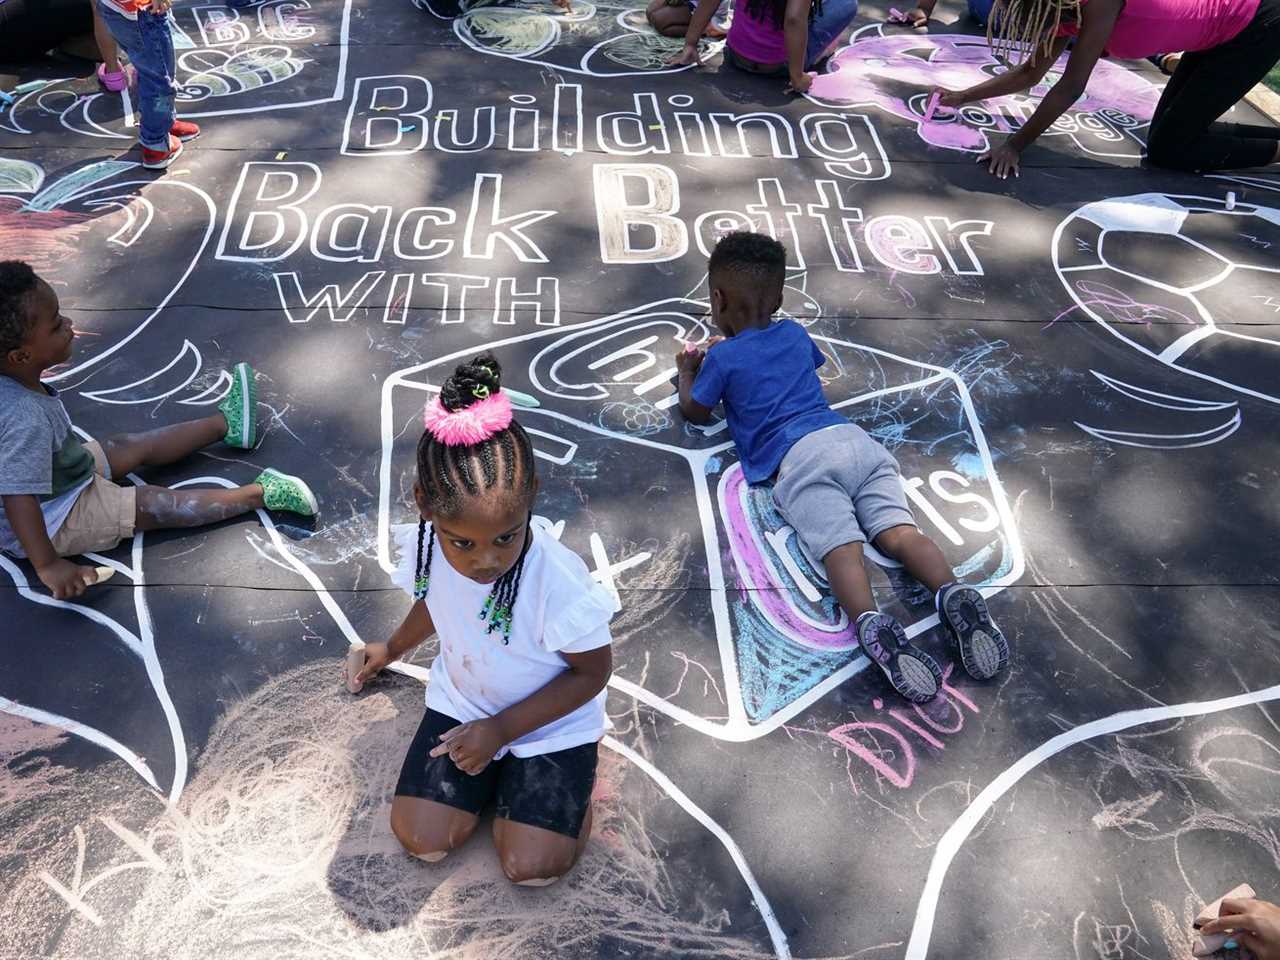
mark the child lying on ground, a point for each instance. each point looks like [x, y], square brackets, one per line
[835, 486]
[58, 493]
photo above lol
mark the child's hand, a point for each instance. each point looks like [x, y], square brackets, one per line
[687, 57]
[800, 84]
[160, 7]
[688, 361]
[65, 579]
[471, 746]
[950, 98]
[376, 656]
[1254, 924]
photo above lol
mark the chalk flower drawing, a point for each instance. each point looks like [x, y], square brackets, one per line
[896, 74]
[617, 40]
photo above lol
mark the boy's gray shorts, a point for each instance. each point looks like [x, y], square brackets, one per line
[838, 486]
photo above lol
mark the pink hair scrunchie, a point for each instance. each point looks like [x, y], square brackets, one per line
[471, 425]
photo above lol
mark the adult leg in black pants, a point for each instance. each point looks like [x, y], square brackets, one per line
[1185, 134]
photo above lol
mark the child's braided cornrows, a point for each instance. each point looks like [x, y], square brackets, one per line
[1025, 28]
[449, 474]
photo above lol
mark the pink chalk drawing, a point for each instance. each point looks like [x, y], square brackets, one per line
[898, 74]
[897, 762]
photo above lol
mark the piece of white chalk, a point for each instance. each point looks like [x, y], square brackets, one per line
[102, 575]
[1231, 200]
[933, 105]
[355, 663]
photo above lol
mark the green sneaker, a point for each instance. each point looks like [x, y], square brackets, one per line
[286, 493]
[240, 407]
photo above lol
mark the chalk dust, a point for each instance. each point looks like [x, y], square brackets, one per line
[280, 848]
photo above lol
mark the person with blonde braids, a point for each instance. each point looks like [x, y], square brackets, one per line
[1230, 46]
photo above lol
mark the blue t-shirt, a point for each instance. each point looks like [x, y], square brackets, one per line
[772, 396]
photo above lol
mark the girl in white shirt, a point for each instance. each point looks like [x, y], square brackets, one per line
[515, 703]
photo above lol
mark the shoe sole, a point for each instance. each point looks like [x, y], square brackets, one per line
[248, 406]
[164, 165]
[911, 671]
[312, 503]
[984, 651]
[188, 139]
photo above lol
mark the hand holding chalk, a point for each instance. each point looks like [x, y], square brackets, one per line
[102, 575]
[896, 15]
[355, 663]
[933, 104]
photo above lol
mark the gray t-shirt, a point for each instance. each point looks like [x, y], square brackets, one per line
[39, 455]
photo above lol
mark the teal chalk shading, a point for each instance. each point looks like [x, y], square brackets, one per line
[521, 399]
[73, 183]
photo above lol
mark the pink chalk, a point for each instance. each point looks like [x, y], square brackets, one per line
[690, 347]
[933, 105]
[896, 15]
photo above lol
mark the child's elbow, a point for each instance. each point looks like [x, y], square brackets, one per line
[795, 22]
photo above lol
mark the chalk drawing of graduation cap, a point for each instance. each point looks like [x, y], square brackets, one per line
[620, 466]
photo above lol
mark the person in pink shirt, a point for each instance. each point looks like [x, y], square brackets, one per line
[775, 37]
[1229, 46]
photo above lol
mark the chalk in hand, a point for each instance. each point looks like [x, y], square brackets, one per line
[896, 15]
[1231, 200]
[1242, 892]
[355, 663]
[690, 347]
[102, 575]
[1207, 945]
[933, 105]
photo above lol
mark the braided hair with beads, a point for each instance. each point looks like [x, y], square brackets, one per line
[472, 446]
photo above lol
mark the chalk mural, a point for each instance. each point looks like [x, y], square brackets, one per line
[598, 38]
[273, 55]
[1180, 278]
[896, 74]
[601, 394]
[563, 222]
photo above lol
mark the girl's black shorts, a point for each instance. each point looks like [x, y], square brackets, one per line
[552, 791]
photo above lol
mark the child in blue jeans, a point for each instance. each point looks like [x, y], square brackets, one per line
[141, 28]
[835, 486]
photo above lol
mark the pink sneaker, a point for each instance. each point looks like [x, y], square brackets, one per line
[115, 82]
[184, 130]
[159, 159]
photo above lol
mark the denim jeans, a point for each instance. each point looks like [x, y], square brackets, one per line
[825, 29]
[149, 45]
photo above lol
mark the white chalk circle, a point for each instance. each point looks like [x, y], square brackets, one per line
[1171, 275]
[680, 100]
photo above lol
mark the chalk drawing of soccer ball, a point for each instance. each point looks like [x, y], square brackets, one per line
[1177, 277]
[598, 38]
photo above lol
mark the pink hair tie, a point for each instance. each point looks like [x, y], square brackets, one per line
[471, 425]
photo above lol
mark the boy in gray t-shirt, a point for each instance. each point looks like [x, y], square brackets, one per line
[58, 494]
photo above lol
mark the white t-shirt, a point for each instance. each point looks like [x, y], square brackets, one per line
[559, 608]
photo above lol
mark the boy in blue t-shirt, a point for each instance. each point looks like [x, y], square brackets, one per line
[834, 485]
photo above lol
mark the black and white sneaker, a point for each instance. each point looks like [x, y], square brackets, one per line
[984, 651]
[913, 673]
